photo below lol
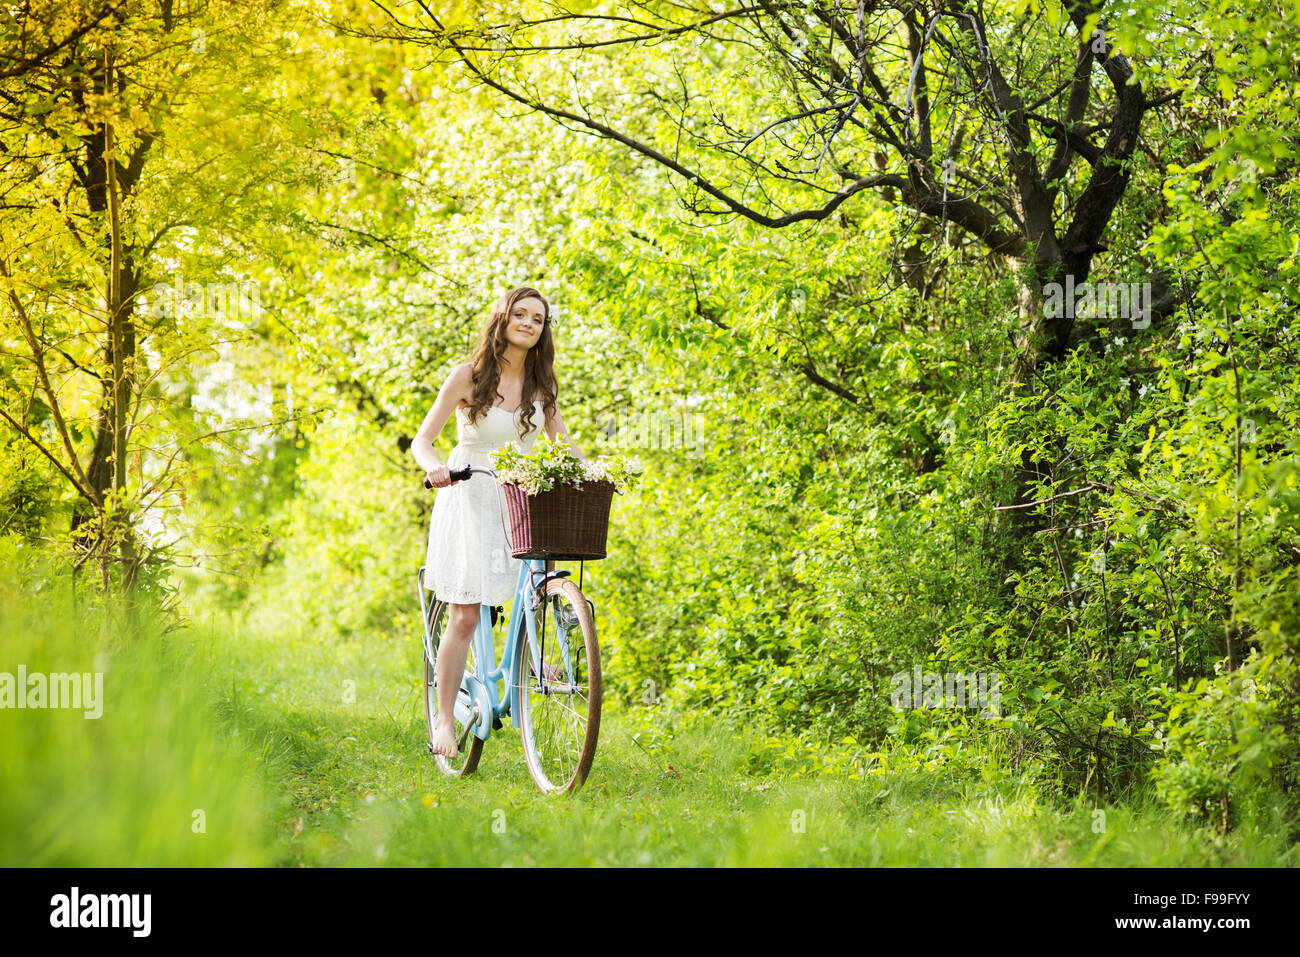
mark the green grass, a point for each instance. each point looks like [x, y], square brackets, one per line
[344, 726]
[154, 780]
[300, 751]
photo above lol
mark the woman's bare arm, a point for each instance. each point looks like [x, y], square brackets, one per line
[555, 425]
[457, 388]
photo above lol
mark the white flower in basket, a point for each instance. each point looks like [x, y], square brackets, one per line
[553, 463]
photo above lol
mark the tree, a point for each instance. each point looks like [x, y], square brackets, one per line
[109, 151]
[982, 116]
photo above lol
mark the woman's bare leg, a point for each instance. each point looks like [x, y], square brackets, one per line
[451, 668]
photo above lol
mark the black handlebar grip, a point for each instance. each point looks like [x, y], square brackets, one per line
[457, 475]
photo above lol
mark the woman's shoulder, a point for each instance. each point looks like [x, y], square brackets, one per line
[461, 381]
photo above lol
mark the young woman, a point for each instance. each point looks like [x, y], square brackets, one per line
[497, 397]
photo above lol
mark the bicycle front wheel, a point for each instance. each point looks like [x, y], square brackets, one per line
[470, 748]
[559, 691]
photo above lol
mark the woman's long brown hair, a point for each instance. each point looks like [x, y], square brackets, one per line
[539, 375]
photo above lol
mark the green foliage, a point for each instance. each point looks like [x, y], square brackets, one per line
[1227, 737]
[353, 537]
[28, 506]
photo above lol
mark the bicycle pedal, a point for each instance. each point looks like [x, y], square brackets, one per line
[496, 723]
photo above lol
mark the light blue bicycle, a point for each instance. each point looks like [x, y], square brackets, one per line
[547, 679]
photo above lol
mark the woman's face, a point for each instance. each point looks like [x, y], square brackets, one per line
[525, 323]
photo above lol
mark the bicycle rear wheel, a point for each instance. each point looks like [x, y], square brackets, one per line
[470, 748]
[560, 694]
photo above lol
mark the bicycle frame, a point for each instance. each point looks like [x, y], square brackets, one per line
[479, 703]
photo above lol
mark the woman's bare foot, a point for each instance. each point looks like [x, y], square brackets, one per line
[444, 740]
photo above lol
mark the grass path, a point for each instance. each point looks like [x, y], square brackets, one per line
[231, 745]
[339, 729]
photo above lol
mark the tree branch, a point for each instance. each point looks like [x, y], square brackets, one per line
[82, 483]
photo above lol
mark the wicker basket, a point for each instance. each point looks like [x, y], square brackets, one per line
[564, 524]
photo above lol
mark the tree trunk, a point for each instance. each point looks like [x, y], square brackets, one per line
[107, 470]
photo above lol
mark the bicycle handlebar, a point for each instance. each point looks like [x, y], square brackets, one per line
[462, 473]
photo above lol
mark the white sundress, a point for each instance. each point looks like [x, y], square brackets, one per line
[469, 561]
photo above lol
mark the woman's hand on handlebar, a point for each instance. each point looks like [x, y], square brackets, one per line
[444, 475]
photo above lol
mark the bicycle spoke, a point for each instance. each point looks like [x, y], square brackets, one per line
[562, 712]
